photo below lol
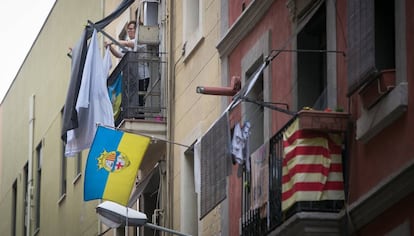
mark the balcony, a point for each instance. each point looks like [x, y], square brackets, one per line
[138, 102]
[291, 208]
[138, 109]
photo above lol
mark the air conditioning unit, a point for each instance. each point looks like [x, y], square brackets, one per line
[148, 35]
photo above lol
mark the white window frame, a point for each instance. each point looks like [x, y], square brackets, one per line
[190, 206]
[192, 34]
[38, 185]
[77, 168]
[261, 49]
[331, 62]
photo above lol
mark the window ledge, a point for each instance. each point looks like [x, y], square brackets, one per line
[61, 199]
[76, 179]
[383, 113]
[378, 88]
[192, 44]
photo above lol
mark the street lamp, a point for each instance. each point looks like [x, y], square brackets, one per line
[114, 215]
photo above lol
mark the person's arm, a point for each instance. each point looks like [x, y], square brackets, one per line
[113, 50]
[116, 52]
[127, 43]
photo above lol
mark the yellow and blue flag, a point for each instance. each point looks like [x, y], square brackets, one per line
[115, 95]
[112, 165]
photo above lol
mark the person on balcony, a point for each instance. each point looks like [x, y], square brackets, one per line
[131, 44]
[128, 43]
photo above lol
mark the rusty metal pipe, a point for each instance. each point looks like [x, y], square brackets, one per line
[235, 85]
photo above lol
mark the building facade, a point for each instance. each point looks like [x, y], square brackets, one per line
[266, 117]
[41, 189]
[196, 27]
[325, 58]
[34, 176]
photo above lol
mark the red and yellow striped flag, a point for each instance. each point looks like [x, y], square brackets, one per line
[312, 166]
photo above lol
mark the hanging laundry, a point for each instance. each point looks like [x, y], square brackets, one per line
[93, 105]
[237, 144]
[260, 178]
[240, 144]
[246, 137]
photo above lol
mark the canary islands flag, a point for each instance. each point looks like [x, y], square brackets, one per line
[115, 95]
[112, 165]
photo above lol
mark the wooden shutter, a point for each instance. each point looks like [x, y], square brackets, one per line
[361, 43]
[214, 165]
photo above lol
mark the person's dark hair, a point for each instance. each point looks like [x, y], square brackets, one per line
[132, 22]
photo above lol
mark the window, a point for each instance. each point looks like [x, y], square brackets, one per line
[189, 204]
[14, 207]
[25, 184]
[147, 194]
[372, 43]
[63, 167]
[311, 72]
[150, 200]
[316, 57]
[78, 167]
[192, 25]
[384, 35]
[371, 40]
[38, 183]
[255, 114]
[258, 117]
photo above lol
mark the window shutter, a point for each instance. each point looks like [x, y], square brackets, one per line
[214, 165]
[361, 43]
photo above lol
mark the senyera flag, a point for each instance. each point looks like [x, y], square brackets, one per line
[112, 165]
[312, 166]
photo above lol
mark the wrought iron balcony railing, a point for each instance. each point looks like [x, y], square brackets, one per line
[312, 122]
[136, 87]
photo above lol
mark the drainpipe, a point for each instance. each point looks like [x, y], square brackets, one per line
[169, 98]
[30, 165]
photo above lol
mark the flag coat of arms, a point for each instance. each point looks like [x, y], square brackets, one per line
[112, 165]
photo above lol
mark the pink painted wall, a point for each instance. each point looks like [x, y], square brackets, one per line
[277, 21]
[235, 9]
[392, 218]
[391, 149]
[369, 163]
